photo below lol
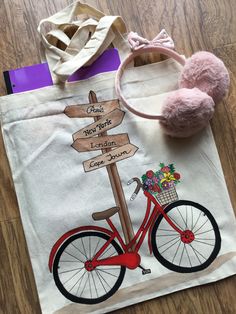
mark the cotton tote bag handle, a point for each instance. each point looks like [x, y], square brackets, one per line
[93, 33]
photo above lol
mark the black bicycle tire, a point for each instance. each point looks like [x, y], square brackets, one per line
[175, 267]
[72, 297]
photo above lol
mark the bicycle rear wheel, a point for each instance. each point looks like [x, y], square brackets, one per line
[199, 243]
[74, 281]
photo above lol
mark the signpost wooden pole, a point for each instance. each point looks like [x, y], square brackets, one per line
[116, 187]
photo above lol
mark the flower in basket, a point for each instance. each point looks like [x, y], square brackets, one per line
[176, 175]
[155, 179]
[172, 183]
[168, 177]
[165, 169]
[148, 182]
[165, 185]
[150, 174]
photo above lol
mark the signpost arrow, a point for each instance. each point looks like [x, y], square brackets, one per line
[92, 110]
[110, 157]
[107, 122]
[97, 143]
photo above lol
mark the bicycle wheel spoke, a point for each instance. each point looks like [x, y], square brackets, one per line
[196, 221]
[195, 250]
[186, 217]
[170, 246]
[182, 217]
[205, 239]
[105, 251]
[106, 272]
[175, 223]
[112, 254]
[67, 271]
[104, 279]
[176, 252]
[73, 256]
[80, 282]
[203, 242]
[84, 248]
[94, 284]
[111, 268]
[182, 254]
[195, 253]
[73, 276]
[84, 285]
[166, 235]
[78, 249]
[169, 241]
[202, 225]
[99, 240]
[204, 232]
[98, 275]
[188, 256]
[90, 289]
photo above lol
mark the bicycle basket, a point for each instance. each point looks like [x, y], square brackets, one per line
[168, 196]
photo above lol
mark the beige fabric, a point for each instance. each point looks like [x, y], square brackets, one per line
[94, 33]
[55, 195]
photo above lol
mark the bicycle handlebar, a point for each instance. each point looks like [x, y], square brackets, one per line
[137, 189]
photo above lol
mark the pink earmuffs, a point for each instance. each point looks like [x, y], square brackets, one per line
[204, 82]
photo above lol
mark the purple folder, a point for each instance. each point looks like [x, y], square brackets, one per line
[38, 75]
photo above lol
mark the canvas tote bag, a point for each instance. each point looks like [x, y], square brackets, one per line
[85, 33]
[55, 194]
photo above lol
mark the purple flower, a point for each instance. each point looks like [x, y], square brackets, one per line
[165, 185]
[148, 182]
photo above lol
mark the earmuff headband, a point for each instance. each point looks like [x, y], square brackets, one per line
[141, 46]
[203, 82]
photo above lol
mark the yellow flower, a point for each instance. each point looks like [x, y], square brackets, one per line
[168, 177]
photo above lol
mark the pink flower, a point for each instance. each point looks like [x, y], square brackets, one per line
[165, 169]
[155, 180]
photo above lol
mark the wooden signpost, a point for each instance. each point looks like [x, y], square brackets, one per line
[108, 158]
[107, 122]
[107, 115]
[96, 143]
[92, 110]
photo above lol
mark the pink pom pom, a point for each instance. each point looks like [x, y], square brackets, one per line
[206, 72]
[186, 111]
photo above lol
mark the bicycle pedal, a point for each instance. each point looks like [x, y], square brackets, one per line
[146, 271]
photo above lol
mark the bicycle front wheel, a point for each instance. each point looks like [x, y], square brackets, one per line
[197, 246]
[74, 281]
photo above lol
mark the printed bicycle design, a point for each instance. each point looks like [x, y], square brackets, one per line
[89, 263]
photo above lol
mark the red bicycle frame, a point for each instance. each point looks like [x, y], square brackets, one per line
[131, 258]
